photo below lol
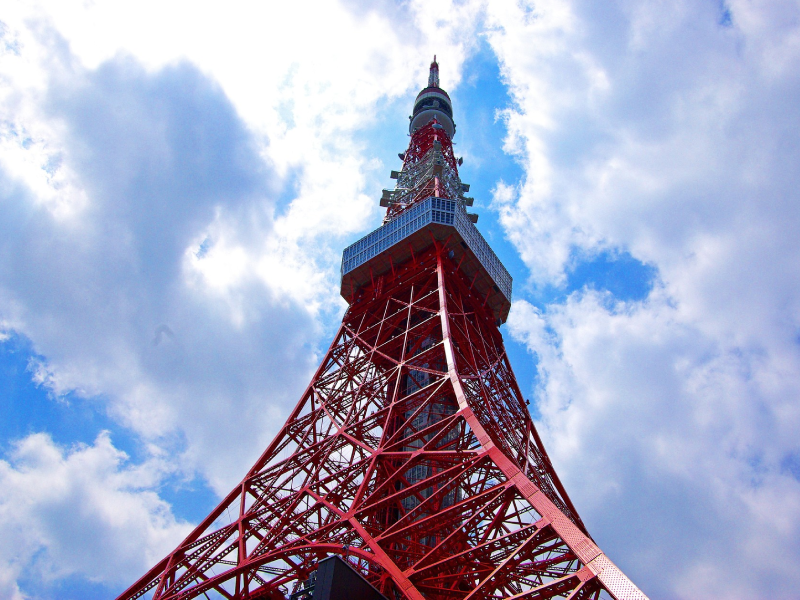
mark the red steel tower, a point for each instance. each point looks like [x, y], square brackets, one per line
[411, 454]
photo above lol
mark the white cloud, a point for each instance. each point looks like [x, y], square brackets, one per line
[176, 193]
[164, 162]
[81, 511]
[660, 129]
[671, 444]
[205, 172]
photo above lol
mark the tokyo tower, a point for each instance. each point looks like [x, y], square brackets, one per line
[410, 468]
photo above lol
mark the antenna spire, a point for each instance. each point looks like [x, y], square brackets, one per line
[433, 78]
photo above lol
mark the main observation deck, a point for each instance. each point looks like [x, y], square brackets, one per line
[412, 232]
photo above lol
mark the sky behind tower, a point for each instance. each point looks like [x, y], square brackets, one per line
[177, 182]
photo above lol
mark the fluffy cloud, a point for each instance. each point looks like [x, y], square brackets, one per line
[80, 511]
[177, 201]
[111, 290]
[176, 193]
[665, 130]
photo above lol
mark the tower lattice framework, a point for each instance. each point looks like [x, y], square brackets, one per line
[412, 453]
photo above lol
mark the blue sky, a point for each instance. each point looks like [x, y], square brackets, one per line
[175, 193]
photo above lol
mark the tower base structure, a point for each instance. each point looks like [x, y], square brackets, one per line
[413, 454]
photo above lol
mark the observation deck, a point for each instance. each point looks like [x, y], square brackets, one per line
[412, 232]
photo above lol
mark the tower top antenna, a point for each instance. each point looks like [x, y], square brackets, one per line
[433, 77]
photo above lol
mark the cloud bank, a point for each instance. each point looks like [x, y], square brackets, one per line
[665, 130]
[172, 193]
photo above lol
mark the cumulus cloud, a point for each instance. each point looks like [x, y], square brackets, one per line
[672, 444]
[176, 193]
[80, 511]
[165, 164]
[203, 187]
[665, 130]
